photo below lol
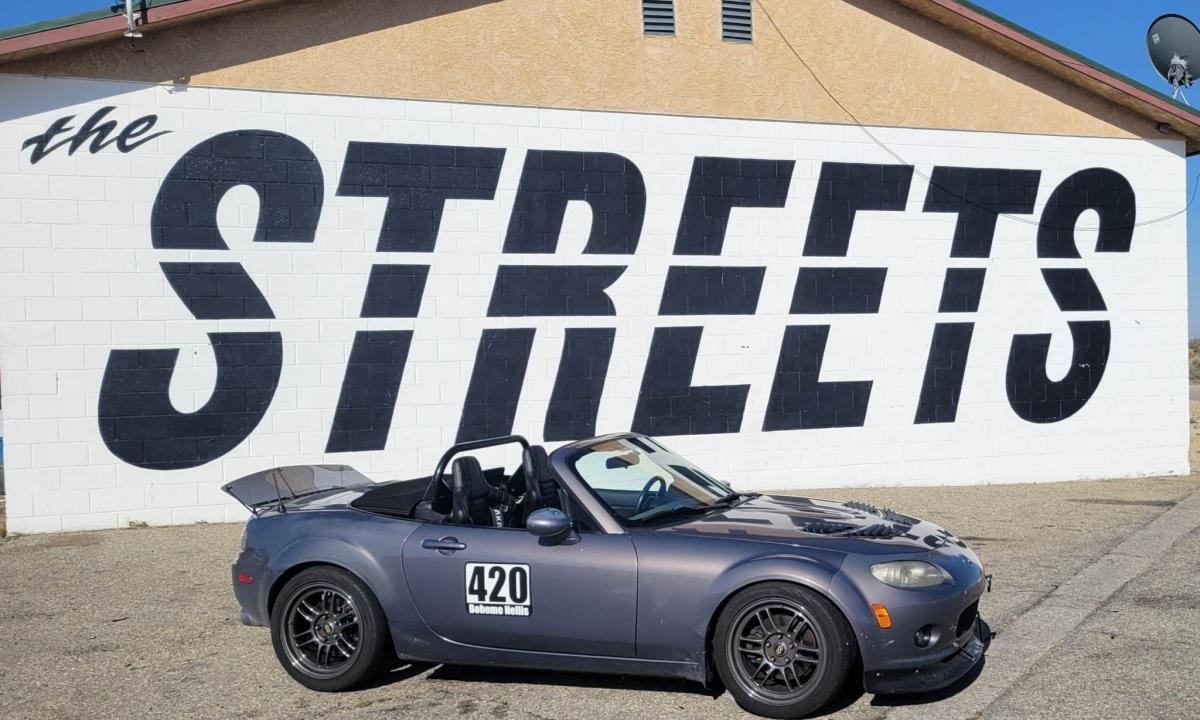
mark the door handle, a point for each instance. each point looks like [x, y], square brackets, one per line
[445, 546]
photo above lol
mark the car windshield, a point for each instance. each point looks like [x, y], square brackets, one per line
[641, 481]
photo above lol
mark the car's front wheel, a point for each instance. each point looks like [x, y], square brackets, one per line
[782, 651]
[328, 630]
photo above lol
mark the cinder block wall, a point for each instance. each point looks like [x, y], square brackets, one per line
[254, 279]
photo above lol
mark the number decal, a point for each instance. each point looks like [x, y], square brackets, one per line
[519, 584]
[498, 589]
[496, 576]
[475, 582]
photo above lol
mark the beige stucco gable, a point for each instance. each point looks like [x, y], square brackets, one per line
[887, 64]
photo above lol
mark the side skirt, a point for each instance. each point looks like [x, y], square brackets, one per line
[452, 653]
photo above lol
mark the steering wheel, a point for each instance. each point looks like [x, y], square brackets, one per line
[647, 499]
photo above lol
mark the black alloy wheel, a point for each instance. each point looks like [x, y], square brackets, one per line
[782, 650]
[323, 632]
[777, 650]
[328, 630]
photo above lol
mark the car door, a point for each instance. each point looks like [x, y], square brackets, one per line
[507, 588]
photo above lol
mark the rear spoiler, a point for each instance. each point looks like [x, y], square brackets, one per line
[263, 490]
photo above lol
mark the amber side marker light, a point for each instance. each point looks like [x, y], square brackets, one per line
[881, 616]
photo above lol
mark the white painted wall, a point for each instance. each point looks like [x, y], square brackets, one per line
[79, 278]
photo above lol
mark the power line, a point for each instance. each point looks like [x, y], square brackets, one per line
[931, 181]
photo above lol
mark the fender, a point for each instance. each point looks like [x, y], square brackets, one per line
[676, 612]
[814, 571]
[382, 574]
[818, 571]
[325, 550]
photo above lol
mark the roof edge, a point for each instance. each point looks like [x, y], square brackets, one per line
[1079, 70]
[115, 10]
[50, 36]
[1077, 56]
[962, 15]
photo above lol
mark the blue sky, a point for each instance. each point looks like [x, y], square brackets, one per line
[19, 12]
[1112, 32]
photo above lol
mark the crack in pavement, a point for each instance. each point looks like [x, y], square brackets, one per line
[1046, 624]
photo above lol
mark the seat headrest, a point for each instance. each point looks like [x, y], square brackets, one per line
[539, 478]
[536, 462]
[467, 476]
[474, 497]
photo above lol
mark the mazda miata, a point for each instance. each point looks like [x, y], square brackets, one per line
[611, 554]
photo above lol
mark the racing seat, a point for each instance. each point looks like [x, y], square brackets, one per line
[475, 500]
[539, 479]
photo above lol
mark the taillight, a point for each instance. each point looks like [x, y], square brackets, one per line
[246, 579]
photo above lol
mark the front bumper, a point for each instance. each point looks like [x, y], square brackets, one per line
[937, 675]
[932, 629]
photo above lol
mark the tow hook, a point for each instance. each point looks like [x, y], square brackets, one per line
[989, 582]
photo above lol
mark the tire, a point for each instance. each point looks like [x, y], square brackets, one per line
[800, 647]
[328, 630]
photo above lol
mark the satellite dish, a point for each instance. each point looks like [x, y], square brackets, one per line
[1174, 45]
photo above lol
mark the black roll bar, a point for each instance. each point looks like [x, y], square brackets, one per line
[464, 447]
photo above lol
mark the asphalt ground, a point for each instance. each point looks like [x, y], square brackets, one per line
[1095, 604]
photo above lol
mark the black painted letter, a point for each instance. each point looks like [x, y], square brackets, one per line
[977, 196]
[279, 168]
[496, 380]
[417, 180]
[669, 404]
[842, 190]
[611, 185]
[1031, 392]
[799, 400]
[579, 384]
[139, 424]
[369, 390]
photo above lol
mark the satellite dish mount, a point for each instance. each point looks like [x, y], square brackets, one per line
[1180, 76]
[131, 19]
[1173, 41]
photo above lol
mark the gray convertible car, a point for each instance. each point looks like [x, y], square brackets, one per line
[612, 555]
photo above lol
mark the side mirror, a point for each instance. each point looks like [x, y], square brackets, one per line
[548, 523]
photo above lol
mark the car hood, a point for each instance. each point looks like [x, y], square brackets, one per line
[799, 520]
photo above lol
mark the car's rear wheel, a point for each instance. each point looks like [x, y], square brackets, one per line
[328, 630]
[782, 651]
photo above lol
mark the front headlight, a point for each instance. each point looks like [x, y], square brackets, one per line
[909, 574]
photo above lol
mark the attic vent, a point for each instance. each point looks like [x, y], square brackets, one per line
[658, 17]
[736, 24]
